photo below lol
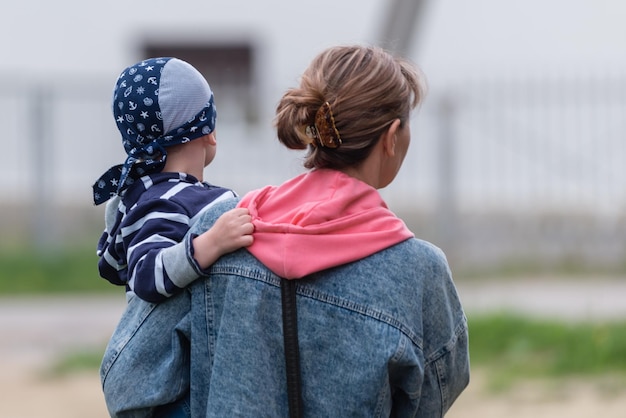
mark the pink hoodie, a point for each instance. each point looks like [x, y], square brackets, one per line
[317, 220]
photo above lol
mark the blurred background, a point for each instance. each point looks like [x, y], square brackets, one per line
[515, 170]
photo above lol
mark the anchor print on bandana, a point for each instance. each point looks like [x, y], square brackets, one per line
[139, 119]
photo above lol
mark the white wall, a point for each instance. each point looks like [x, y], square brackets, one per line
[458, 38]
[457, 41]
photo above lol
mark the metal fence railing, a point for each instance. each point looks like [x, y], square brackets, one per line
[521, 170]
[487, 160]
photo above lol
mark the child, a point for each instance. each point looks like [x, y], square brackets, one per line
[165, 112]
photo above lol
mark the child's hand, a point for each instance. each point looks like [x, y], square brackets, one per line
[232, 230]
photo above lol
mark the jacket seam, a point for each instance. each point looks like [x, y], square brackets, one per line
[119, 347]
[446, 348]
[303, 290]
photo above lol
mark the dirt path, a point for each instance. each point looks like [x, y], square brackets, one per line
[602, 397]
[28, 393]
[38, 331]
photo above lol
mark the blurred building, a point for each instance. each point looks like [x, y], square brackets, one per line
[517, 153]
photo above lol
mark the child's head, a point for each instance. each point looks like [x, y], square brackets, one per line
[157, 103]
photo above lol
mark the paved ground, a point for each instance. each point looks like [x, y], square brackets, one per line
[40, 327]
[37, 331]
[591, 298]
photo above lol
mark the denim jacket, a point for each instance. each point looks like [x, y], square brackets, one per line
[382, 336]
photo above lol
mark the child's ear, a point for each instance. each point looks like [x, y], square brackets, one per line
[210, 138]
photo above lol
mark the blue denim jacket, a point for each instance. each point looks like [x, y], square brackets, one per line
[145, 366]
[383, 336]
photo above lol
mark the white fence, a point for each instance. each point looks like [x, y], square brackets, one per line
[489, 163]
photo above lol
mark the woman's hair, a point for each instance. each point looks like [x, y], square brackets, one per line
[347, 98]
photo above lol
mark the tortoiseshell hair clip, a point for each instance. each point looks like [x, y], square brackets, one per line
[324, 130]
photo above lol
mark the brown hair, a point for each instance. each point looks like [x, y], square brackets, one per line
[366, 89]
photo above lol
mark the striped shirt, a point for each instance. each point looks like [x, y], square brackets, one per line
[144, 245]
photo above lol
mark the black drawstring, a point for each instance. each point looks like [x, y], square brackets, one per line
[292, 351]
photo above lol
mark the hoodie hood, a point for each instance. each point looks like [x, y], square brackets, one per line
[321, 219]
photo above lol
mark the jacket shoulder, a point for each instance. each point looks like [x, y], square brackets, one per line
[208, 217]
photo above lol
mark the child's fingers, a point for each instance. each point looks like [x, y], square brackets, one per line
[248, 228]
[240, 212]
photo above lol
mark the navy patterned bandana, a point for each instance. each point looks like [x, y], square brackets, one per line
[157, 103]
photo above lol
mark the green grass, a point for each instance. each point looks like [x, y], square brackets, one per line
[75, 362]
[564, 267]
[508, 347]
[28, 271]
[511, 347]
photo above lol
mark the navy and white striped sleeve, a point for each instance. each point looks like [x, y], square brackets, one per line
[149, 229]
[154, 235]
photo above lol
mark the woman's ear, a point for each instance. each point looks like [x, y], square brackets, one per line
[390, 137]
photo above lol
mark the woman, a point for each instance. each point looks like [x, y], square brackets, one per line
[381, 330]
